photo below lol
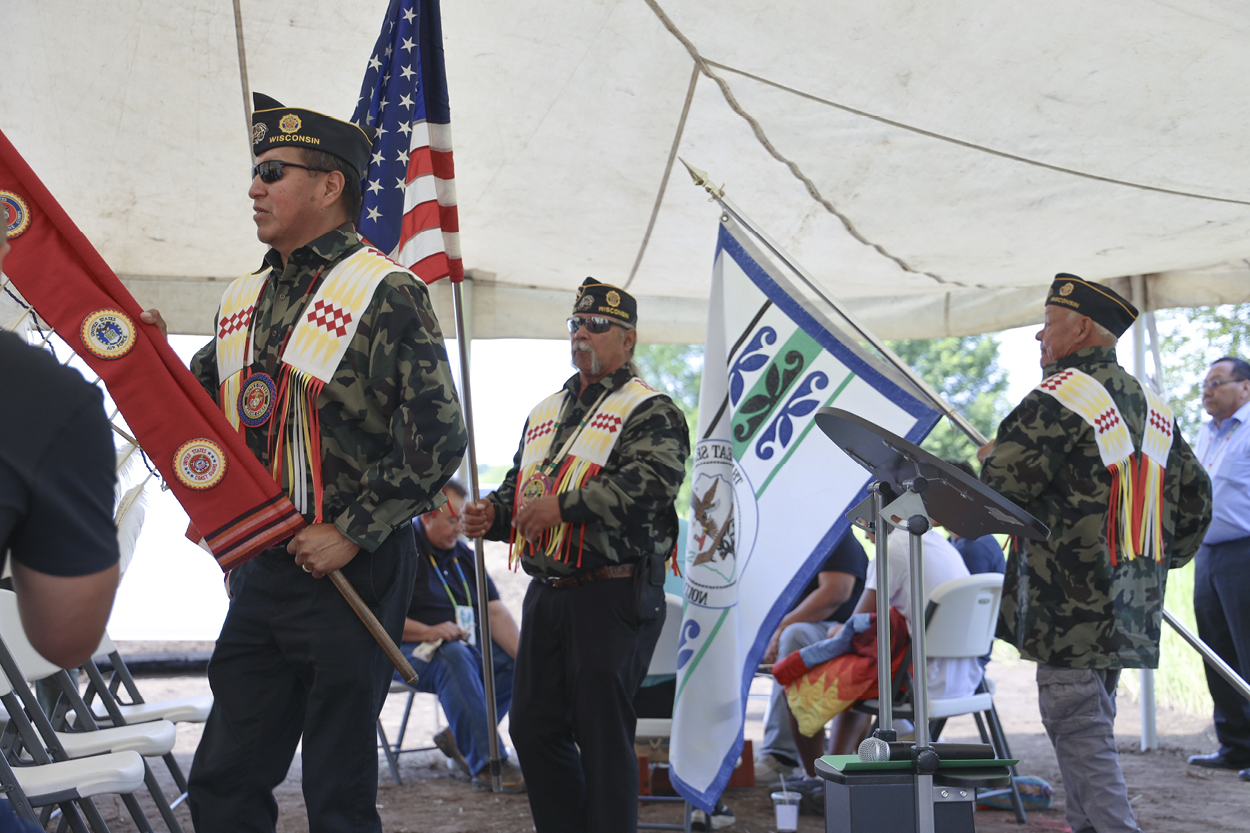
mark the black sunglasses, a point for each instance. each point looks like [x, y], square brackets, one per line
[271, 169]
[594, 324]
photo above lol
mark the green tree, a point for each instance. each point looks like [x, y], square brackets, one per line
[965, 371]
[676, 369]
[1189, 340]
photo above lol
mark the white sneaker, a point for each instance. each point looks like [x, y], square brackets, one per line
[768, 768]
[722, 817]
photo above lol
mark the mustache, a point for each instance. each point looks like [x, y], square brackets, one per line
[596, 366]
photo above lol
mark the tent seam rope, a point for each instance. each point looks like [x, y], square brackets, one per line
[972, 145]
[668, 169]
[247, 97]
[705, 68]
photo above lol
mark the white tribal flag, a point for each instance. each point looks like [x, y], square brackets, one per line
[770, 491]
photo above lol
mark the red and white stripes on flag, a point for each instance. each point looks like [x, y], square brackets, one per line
[409, 190]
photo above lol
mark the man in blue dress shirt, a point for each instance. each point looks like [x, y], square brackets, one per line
[1222, 565]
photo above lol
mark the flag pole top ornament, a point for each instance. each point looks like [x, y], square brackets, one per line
[605, 299]
[16, 213]
[1105, 306]
[275, 126]
[700, 178]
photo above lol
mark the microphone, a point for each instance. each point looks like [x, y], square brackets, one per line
[875, 749]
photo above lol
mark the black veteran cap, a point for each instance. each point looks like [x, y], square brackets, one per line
[275, 126]
[601, 299]
[1101, 304]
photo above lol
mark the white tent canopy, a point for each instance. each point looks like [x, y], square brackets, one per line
[931, 165]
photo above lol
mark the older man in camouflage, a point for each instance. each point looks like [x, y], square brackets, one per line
[588, 505]
[331, 363]
[1098, 459]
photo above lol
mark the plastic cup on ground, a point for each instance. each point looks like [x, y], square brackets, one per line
[786, 805]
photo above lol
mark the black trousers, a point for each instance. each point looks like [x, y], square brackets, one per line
[583, 654]
[1222, 608]
[294, 660]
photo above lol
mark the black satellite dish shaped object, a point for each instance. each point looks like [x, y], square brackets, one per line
[962, 504]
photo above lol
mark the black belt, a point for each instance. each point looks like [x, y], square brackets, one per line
[611, 571]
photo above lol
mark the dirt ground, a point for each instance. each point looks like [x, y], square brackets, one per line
[1168, 795]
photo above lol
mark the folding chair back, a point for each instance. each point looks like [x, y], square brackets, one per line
[963, 616]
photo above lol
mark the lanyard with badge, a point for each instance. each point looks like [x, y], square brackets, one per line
[465, 616]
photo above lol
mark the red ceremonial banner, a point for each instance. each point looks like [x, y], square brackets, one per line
[228, 494]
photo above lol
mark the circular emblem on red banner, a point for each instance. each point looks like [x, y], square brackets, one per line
[256, 400]
[108, 333]
[199, 464]
[16, 213]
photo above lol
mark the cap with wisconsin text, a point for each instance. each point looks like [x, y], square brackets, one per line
[603, 299]
[1103, 305]
[275, 126]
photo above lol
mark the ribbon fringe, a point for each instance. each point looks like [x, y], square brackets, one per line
[1135, 513]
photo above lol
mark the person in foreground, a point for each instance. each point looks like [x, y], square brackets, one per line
[443, 635]
[1087, 602]
[1221, 578]
[56, 505]
[329, 334]
[588, 505]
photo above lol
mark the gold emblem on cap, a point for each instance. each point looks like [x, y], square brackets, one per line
[1066, 290]
[258, 132]
[613, 298]
[585, 302]
[290, 123]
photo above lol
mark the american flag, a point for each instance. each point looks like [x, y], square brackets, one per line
[409, 207]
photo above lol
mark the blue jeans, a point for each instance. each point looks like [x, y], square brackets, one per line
[454, 673]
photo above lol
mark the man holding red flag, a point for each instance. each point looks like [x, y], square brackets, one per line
[331, 364]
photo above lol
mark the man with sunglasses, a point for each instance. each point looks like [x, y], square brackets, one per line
[443, 637]
[331, 336]
[1221, 577]
[588, 507]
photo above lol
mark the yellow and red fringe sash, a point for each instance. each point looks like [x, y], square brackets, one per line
[312, 353]
[1135, 513]
[584, 460]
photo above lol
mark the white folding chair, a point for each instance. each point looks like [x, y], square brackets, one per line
[663, 663]
[22, 664]
[101, 696]
[960, 621]
[30, 778]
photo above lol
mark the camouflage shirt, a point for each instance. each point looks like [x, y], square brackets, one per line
[1064, 604]
[628, 506]
[391, 431]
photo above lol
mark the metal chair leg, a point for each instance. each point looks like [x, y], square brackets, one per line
[158, 798]
[391, 759]
[1001, 748]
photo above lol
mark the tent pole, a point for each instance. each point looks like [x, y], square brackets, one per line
[487, 647]
[1137, 292]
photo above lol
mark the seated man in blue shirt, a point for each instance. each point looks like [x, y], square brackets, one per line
[443, 638]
